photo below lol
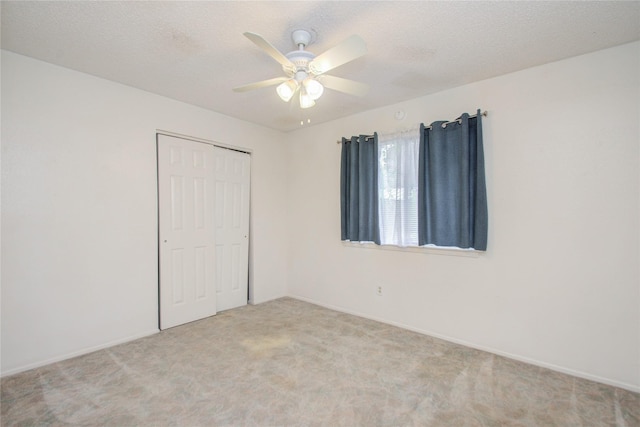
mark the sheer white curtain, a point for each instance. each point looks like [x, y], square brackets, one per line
[398, 160]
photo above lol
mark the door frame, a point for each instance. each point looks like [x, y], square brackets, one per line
[248, 151]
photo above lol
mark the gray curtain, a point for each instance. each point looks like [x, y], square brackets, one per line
[359, 189]
[452, 195]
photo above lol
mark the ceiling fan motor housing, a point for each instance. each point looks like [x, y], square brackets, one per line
[301, 59]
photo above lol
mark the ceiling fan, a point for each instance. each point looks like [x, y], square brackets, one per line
[305, 72]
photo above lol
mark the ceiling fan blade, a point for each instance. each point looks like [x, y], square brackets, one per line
[258, 85]
[350, 49]
[268, 48]
[344, 85]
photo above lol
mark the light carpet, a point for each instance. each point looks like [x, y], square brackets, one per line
[291, 363]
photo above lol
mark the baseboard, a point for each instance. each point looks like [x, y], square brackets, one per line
[77, 353]
[266, 299]
[561, 369]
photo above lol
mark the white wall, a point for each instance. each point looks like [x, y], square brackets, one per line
[79, 217]
[559, 285]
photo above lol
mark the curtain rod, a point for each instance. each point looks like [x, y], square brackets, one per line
[484, 114]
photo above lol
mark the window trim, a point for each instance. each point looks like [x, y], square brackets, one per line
[425, 250]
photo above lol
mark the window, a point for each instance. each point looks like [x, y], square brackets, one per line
[423, 187]
[398, 188]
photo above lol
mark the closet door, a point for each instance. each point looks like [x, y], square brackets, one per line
[203, 202]
[233, 174]
[186, 181]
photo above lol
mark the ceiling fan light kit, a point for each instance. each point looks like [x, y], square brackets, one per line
[313, 87]
[306, 101]
[287, 89]
[303, 69]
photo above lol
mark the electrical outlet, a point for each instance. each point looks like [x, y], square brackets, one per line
[379, 291]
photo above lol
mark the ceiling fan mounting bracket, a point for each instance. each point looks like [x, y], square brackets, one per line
[303, 37]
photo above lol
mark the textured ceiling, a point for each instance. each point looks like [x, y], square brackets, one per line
[195, 51]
